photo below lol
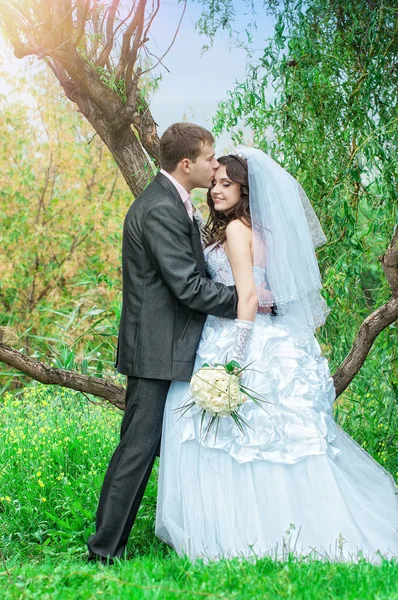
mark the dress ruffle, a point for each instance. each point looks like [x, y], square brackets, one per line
[294, 421]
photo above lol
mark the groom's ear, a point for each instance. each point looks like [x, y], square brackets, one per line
[185, 165]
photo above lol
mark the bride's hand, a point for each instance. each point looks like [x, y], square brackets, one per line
[265, 300]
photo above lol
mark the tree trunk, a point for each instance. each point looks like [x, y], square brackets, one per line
[112, 123]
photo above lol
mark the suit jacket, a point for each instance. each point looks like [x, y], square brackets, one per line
[166, 291]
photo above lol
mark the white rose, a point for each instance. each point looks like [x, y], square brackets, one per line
[216, 391]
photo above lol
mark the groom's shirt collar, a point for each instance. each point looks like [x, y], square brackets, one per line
[180, 188]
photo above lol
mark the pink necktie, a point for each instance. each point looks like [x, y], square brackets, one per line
[189, 207]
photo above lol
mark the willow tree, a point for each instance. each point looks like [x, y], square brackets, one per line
[322, 98]
[98, 52]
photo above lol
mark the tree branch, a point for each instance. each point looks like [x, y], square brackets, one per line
[368, 332]
[82, 13]
[152, 17]
[62, 77]
[373, 324]
[389, 263]
[95, 20]
[69, 379]
[132, 82]
[172, 41]
[125, 50]
[61, 21]
[107, 49]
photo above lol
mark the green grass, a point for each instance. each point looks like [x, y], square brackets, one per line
[54, 448]
[172, 577]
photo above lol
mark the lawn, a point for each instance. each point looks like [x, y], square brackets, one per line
[55, 446]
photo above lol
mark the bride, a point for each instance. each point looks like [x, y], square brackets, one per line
[292, 481]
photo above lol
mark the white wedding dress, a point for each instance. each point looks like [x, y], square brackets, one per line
[292, 482]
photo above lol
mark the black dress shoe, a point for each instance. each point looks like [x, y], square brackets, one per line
[105, 560]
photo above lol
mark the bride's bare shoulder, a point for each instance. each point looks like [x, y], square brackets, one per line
[238, 229]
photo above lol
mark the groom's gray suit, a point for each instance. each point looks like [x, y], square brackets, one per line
[166, 297]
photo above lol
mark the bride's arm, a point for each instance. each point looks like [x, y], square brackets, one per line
[239, 251]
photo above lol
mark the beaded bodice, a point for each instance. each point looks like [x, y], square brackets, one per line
[218, 265]
[220, 271]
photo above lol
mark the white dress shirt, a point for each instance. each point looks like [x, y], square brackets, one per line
[182, 191]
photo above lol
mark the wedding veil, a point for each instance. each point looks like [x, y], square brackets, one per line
[286, 232]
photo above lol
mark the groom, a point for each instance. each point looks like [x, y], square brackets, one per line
[166, 297]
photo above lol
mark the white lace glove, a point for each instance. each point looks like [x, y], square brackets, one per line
[243, 336]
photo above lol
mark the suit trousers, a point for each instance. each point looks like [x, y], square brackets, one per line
[130, 467]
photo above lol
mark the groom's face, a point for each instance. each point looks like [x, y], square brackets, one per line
[202, 171]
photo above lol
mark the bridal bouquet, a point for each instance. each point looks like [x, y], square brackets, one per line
[217, 391]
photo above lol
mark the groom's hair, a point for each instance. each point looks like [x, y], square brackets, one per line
[182, 140]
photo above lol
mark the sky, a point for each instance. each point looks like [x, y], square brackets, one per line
[198, 81]
[194, 82]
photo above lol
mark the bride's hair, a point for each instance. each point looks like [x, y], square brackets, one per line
[215, 228]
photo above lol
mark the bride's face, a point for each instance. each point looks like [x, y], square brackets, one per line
[224, 192]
